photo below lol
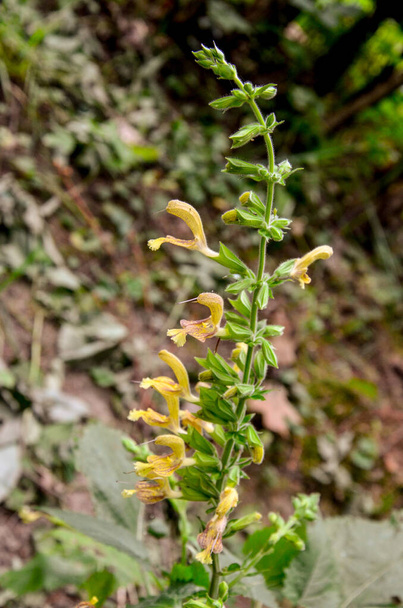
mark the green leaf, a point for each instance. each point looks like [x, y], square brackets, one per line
[254, 587]
[312, 578]
[101, 585]
[171, 598]
[103, 460]
[272, 566]
[369, 557]
[104, 532]
[195, 573]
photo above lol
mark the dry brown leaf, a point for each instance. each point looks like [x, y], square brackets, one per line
[276, 410]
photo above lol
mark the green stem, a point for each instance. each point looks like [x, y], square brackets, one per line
[215, 579]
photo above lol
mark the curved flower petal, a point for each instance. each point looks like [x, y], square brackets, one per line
[191, 217]
[300, 268]
[150, 417]
[205, 328]
[164, 466]
[180, 372]
[163, 384]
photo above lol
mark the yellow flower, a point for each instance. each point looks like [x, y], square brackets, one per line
[180, 372]
[169, 389]
[188, 419]
[300, 268]
[228, 500]
[205, 328]
[153, 418]
[164, 466]
[190, 216]
[152, 491]
[211, 538]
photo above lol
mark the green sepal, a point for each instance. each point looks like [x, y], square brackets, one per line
[249, 218]
[246, 390]
[225, 103]
[196, 480]
[227, 258]
[241, 285]
[215, 409]
[246, 134]
[219, 435]
[263, 296]
[266, 91]
[242, 304]
[260, 366]
[236, 166]
[268, 353]
[272, 122]
[252, 438]
[250, 200]
[234, 317]
[198, 442]
[273, 330]
[234, 476]
[207, 462]
[284, 269]
[238, 332]
[276, 234]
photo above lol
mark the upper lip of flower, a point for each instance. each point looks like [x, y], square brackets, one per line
[191, 217]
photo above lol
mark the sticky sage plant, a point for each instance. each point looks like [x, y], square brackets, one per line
[209, 449]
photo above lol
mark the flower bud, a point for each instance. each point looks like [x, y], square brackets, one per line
[230, 217]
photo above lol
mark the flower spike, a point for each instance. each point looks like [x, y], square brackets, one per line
[300, 268]
[205, 328]
[190, 216]
[164, 466]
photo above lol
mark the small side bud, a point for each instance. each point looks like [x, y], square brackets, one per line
[230, 217]
[223, 590]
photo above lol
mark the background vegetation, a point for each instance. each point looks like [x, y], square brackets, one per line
[104, 117]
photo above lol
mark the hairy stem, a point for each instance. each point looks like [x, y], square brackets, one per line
[215, 579]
